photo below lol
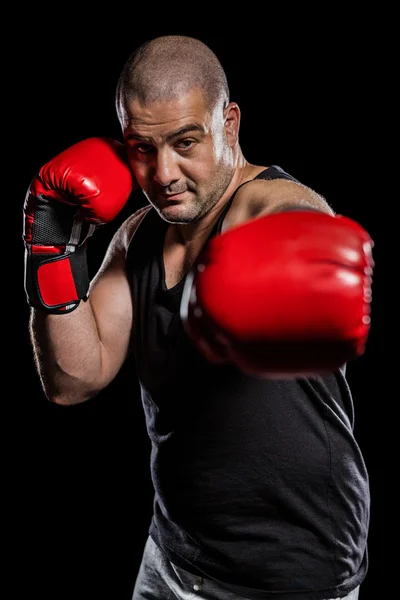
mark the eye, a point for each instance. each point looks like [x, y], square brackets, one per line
[134, 146]
[185, 144]
[142, 148]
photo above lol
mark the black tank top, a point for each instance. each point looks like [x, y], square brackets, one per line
[259, 484]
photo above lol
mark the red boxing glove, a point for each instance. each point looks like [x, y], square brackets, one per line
[284, 295]
[84, 186]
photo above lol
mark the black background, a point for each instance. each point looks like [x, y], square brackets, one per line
[81, 493]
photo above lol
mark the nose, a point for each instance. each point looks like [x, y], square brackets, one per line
[166, 169]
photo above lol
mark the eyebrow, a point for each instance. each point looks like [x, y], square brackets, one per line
[173, 134]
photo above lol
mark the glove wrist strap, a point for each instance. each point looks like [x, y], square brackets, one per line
[58, 283]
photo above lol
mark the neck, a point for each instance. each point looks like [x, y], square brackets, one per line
[193, 233]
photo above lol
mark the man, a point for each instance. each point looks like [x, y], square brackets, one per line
[241, 295]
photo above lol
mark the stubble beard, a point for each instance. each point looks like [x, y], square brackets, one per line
[201, 205]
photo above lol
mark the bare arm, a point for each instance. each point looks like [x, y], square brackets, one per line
[79, 353]
[260, 197]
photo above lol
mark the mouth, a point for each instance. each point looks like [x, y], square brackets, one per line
[173, 197]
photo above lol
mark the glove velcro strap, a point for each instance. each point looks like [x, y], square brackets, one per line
[58, 284]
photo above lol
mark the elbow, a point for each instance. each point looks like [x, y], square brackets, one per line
[67, 395]
[67, 388]
[66, 399]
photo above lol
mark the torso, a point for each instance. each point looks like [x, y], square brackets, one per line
[178, 259]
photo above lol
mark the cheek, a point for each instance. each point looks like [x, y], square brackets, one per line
[194, 167]
[138, 169]
[206, 161]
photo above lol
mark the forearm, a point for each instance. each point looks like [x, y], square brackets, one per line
[68, 354]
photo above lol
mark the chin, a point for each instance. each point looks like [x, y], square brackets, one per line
[177, 214]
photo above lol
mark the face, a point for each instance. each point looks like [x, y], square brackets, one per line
[181, 153]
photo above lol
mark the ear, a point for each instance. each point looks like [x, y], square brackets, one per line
[232, 123]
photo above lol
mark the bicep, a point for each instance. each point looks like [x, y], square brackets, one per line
[112, 301]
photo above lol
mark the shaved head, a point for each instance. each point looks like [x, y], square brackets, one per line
[168, 67]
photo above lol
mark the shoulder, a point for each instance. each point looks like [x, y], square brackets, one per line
[116, 253]
[124, 234]
[258, 197]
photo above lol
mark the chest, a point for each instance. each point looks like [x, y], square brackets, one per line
[177, 261]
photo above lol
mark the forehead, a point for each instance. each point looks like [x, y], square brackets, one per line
[164, 115]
